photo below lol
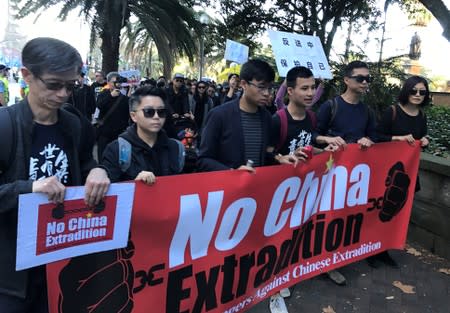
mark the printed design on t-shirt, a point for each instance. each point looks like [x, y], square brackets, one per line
[302, 140]
[54, 162]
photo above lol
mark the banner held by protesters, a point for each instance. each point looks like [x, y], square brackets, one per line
[223, 241]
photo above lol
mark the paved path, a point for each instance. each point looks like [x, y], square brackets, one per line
[372, 290]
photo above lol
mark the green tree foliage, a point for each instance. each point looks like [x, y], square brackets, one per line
[168, 21]
[245, 21]
[439, 130]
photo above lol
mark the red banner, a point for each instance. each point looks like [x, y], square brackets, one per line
[223, 241]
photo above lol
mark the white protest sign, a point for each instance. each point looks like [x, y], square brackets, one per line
[292, 50]
[48, 232]
[133, 76]
[236, 52]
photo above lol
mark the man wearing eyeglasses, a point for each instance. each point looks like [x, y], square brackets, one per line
[238, 131]
[48, 154]
[346, 119]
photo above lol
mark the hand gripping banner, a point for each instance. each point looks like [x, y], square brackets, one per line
[223, 241]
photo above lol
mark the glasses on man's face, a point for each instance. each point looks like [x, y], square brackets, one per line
[261, 89]
[422, 92]
[201, 87]
[150, 112]
[362, 78]
[58, 85]
[179, 80]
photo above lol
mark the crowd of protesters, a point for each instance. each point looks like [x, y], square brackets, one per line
[240, 124]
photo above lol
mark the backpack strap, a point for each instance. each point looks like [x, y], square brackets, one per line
[334, 107]
[312, 117]
[9, 139]
[124, 154]
[283, 128]
[179, 153]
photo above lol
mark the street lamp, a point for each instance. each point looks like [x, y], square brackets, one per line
[204, 20]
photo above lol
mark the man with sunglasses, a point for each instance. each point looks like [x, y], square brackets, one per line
[178, 97]
[113, 116]
[48, 154]
[346, 119]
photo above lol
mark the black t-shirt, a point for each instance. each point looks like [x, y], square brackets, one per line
[299, 133]
[48, 157]
[97, 87]
[403, 124]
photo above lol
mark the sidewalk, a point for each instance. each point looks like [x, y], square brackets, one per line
[423, 282]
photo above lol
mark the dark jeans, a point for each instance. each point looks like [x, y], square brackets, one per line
[36, 300]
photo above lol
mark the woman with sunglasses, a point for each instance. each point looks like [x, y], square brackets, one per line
[406, 120]
[152, 153]
[201, 104]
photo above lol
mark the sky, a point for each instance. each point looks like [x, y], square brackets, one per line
[435, 47]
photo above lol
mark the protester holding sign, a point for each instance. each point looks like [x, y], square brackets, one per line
[294, 127]
[405, 121]
[45, 144]
[239, 130]
[345, 119]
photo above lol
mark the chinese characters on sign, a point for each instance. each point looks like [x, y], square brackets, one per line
[292, 50]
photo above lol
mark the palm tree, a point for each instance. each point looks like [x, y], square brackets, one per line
[171, 34]
[167, 21]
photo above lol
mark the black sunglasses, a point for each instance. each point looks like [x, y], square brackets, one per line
[421, 92]
[58, 85]
[150, 112]
[201, 87]
[361, 78]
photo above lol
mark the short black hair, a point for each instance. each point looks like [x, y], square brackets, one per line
[257, 69]
[409, 84]
[49, 55]
[297, 72]
[141, 92]
[348, 70]
[231, 76]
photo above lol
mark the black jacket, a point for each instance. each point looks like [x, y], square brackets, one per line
[83, 99]
[160, 159]
[117, 121]
[222, 144]
[14, 181]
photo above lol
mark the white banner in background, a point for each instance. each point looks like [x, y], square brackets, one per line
[292, 50]
[236, 52]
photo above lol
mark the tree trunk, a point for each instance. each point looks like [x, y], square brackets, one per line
[441, 13]
[110, 52]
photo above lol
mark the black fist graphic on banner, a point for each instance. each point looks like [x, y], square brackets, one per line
[397, 184]
[100, 282]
